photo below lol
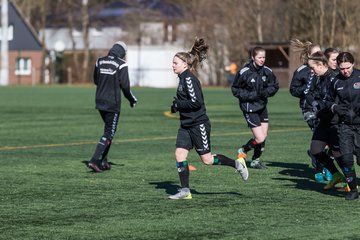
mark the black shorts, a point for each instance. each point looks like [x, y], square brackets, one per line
[327, 134]
[255, 119]
[196, 136]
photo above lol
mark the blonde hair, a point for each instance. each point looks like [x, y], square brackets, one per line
[196, 55]
[304, 47]
[319, 57]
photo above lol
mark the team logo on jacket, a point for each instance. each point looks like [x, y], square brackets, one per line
[357, 85]
[180, 88]
[263, 78]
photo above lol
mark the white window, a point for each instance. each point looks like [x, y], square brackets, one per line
[23, 66]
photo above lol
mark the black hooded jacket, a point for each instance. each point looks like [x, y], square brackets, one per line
[252, 86]
[111, 76]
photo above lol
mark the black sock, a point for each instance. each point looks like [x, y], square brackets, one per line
[249, 145]
[100, 149]
[258, 150]
[349, 171]
[350, 176]
[184, 173]
[223, 160]
[325, 161]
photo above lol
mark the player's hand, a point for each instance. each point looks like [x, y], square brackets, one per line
[133, 104]
[174, 105]
[340, 109]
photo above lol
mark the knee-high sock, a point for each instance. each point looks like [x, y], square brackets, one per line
[184, 173]
[349, 171]
[223, 160]
[258, 150]
[250, 145]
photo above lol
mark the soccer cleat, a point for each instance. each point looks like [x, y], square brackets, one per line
[352, 195]
[94, 167]
[344, 189]
[327, 174]
[241, 168]
[319, 177]
[105, 165]
[336, 178]
[241, 153]
[257, 164]
[184, 193]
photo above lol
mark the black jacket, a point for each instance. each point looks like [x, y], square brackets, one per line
[346, 91]
[111, 76]
[300, 85]
[252, 86]
[190, 100]
[319, 94]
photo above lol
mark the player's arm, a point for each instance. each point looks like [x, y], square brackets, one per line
[194, 94]
[125, 84]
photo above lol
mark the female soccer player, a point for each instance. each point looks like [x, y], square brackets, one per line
[300, 84]
[331, 55]
[253, 84]
[345, 102]
[195, 126]
[326, 132]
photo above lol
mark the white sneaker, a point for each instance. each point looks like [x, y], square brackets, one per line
[241, 168]
[258, 164]
[184, 193]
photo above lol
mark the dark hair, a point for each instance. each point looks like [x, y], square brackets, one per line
[305, 48]
[345, 57]
[319, 57]
[329, 51]
[255, 50]
[196, 55]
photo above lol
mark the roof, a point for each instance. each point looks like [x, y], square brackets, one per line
[24, 35]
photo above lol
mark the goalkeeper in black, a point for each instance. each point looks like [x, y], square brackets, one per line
[111, 76]
[194, 130]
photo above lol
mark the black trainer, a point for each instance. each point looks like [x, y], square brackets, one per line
[105, 165]
[92, 165]
[352, 195]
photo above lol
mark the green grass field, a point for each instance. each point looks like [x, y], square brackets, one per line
[47, 192]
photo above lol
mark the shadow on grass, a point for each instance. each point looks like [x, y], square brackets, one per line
[171, 188]
[302, 177]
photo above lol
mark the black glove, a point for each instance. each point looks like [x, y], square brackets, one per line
[133, 104]
[315, 106]
[309, 116]
[340, 109]
[174, 105]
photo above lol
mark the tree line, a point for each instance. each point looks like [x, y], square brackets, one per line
[230, 26]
